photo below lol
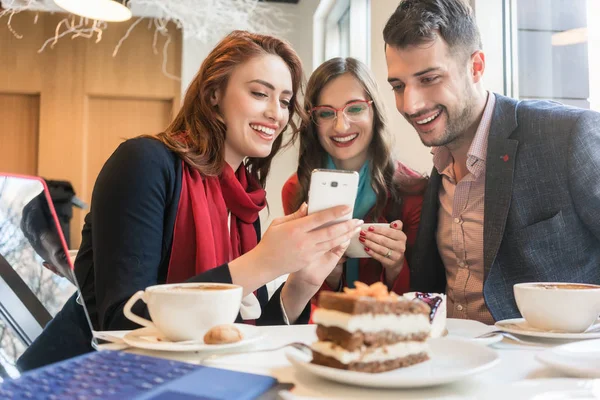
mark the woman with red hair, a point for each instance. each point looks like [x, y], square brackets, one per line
[183, 205]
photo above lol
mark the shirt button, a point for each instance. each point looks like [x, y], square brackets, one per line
[461, 264]
[457, 220]
[459, 307]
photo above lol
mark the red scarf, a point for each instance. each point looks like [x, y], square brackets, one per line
[201, 239]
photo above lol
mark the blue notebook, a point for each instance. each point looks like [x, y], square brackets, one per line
[117, 375]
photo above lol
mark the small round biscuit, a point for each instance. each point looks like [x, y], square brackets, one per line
[222, 334]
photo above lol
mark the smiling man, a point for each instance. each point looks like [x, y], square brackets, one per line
[515, 189]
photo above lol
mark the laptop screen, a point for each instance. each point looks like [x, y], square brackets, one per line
[32, 247]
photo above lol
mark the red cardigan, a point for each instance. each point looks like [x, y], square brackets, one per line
[370, 270]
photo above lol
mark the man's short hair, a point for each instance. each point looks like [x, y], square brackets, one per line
[417, 22]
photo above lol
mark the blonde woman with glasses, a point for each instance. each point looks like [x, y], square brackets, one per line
[347, 130]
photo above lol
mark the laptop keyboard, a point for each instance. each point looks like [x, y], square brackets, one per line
[98, 375]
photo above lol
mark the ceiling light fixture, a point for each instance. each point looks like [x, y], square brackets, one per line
[204, 21]
[101, 10]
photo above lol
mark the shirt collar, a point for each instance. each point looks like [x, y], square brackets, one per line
[476, 155]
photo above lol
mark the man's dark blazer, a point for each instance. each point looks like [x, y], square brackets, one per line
[542, 204]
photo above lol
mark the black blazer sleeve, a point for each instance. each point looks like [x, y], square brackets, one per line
[133, 204]
[272, 314]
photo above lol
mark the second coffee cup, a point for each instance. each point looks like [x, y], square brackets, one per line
[558, 306]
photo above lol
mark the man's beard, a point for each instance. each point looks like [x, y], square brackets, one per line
[456, 126]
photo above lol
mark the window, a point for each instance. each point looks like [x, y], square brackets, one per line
[557, 45]
[341, 29]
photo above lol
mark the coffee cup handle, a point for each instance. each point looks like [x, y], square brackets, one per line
[133, 317]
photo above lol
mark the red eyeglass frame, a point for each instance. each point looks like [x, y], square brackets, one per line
[337, 110]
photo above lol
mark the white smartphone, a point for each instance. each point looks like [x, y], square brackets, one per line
[356, 249]
[330, 188]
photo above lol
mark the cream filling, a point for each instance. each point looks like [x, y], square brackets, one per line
[405, 324]
[364, 355]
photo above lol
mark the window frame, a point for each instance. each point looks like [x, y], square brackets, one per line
[328, 35]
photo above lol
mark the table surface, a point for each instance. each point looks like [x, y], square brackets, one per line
[517, 363]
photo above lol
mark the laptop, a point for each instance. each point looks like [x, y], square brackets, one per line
[34, 255]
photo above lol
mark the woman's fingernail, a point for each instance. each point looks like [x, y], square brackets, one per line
[363, 233]
[371, 229]
[362, 239]
[367, 249]
[394, 225]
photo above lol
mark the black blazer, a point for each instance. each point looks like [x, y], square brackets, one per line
[126, 247]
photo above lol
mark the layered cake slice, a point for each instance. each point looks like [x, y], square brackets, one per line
[437, 304]
[369, 329]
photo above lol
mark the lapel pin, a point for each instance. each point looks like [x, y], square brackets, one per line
[504, 158]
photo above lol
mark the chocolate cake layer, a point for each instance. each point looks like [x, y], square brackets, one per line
[372, 367]
[368, 305]
[356, 340]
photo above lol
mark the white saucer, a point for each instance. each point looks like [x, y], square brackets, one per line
[520, 327]
[545, 389]
[580, 359]
[151, 339]
[450, 360]
[470, 329]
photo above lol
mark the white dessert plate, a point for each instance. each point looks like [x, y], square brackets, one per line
[151, 339]
[470, 329]
[580, 359]
[545, 389]
[450, 360]
[520, 327]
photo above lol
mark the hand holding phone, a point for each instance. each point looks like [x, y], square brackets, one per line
[385, 243]
[356, 249]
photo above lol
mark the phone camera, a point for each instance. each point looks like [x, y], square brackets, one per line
[334, 184]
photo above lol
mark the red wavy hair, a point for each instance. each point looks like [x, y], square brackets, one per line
[204, 126]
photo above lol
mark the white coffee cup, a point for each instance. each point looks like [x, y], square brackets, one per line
[558, 306]
[356, 249]
[185, 311]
